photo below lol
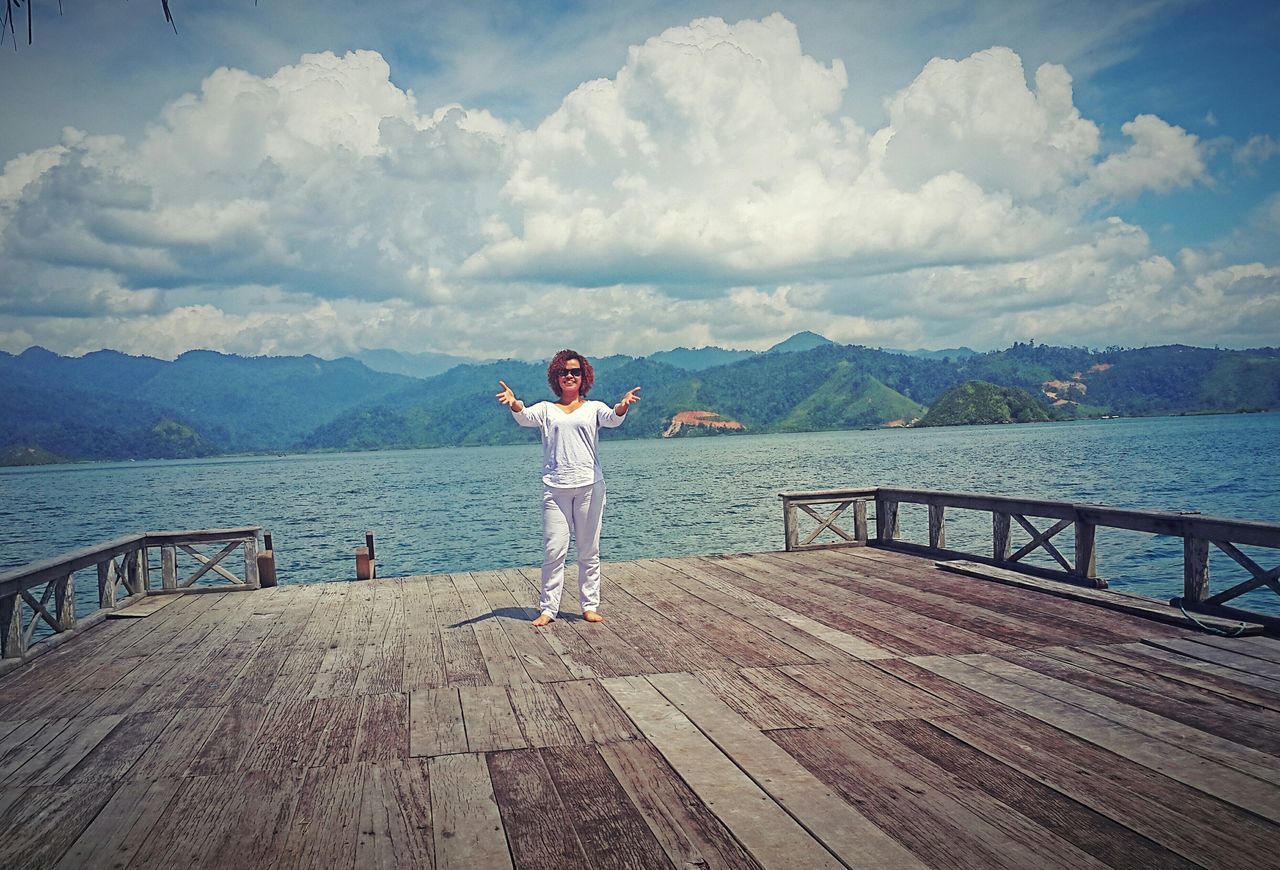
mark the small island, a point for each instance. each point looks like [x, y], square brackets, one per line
[979, 402]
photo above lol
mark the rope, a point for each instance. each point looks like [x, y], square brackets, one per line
[1239, 629]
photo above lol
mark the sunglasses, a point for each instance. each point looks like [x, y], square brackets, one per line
[569, 373]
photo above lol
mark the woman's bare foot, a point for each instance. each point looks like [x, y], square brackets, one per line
[592, 616]
[542, 620]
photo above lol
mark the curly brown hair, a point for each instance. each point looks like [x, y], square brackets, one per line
[557, 363]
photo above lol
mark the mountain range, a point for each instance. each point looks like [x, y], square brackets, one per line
[109, 405]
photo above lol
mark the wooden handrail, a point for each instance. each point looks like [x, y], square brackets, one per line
[1200, 534]
[126, 561]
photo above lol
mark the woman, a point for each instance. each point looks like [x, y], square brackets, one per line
[573, 493]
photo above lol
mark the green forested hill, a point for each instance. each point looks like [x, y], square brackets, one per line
[978, 402]
[108, 405]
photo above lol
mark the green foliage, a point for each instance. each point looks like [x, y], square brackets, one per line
[108, 405]
[21, 454]
[976, 402]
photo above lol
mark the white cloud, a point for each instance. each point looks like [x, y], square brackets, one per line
[1256, 151]
[1162, 157]
[711, 191]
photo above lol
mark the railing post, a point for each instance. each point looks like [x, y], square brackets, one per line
[1195, 570]
[168, 566]
[64, 596]
[789, 532]
[887, 528]
[1086, 550]
[937, 529]
[138, 571]
[13, 642]
[107, 583]
[1001, 548]
[860, 520]
[251, 563]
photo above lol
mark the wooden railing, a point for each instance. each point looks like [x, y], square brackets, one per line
[124, 575]
[1199, 534]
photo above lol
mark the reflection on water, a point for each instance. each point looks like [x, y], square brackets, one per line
[469, 509]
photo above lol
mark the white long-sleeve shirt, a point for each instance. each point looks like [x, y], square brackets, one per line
[569, 454]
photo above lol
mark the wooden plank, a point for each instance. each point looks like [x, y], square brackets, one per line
[44, 822]
[832, 637]
[701, 584]
[849, 835]
[1238, 661]
[395, 815]
[116, 833]
[463, 660]
[1175, 762]
[1107, 840]
[1224, 752]
[543, 719]
[611, 829]
[120, 749]
[866, 693]
[257, 819]
[504, 666]
[687, 831]
[341, 663]
[533, 816]
[64, 751]
[145, 607]
[1241, 723]
[170, 754]
[466, 824]
[435, 723]
[997, 629]
[763, 828]
[193, 824]
[1104, 625]
[23, 742]
[383, 730]
[905, 801]
[289, 737]
[325, 824]
[1190, 672]
[594, 713]
[1265, 648]
[382, 669]
[541, 662]
[1125, 603]
[1176, 816]
[743, 644]
[230, 740]
[334, 722]
[489, 720]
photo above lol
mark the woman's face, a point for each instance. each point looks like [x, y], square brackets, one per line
[570, 376]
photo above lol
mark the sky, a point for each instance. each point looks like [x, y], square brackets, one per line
[499, 178]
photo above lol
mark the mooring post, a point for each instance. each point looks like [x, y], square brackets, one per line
[364, 567]
[373, 557]
[267, 562]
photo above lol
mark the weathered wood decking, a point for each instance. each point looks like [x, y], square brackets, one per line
[781, 710]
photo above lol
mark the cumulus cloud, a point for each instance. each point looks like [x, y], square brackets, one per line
[1161, 157]
[711, 191]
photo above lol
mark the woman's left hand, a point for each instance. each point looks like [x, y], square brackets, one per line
[627, 401]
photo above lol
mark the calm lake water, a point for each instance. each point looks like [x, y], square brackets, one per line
[467, 509]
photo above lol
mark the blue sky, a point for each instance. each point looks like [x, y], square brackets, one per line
[486, 178]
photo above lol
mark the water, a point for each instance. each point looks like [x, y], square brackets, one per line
[469, 509]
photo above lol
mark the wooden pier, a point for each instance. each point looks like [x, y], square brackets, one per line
[851, 706]
[854, 706]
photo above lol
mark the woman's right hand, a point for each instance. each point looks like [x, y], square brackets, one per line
[508, 398]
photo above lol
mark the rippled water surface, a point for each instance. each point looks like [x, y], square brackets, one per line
[466, 509]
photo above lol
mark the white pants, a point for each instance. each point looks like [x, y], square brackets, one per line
[578, 511]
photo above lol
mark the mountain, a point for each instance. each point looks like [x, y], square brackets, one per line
[799, 342]
[425, 364]
[697, 359]
[978, 402]
[948, 353]
[110, 405]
